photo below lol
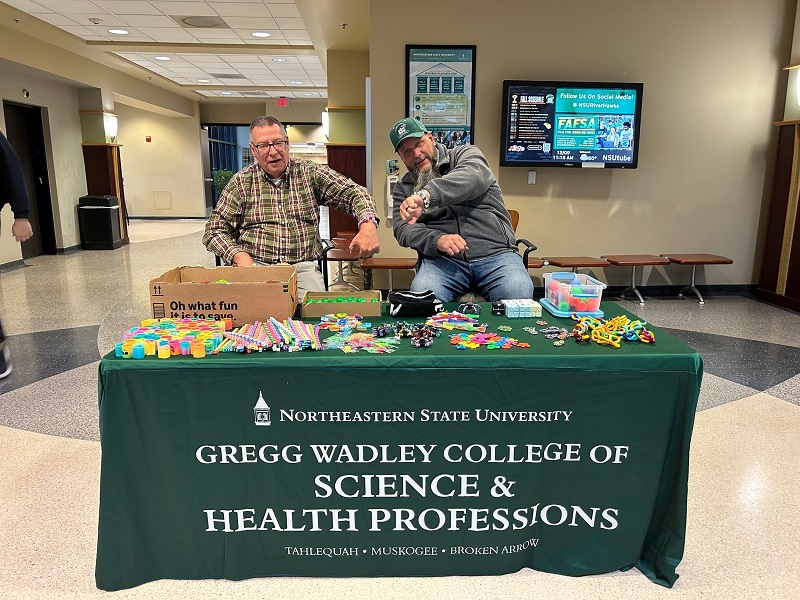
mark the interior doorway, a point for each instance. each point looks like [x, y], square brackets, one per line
[26, 135]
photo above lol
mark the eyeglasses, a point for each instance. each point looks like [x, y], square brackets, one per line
[280, 145]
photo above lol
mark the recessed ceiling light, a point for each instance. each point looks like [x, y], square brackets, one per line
[203, 81]
[306, 94]
[118, 31]
[260, 34]
[162, 58]
[297, 82]
[225, 93]
[278, 60]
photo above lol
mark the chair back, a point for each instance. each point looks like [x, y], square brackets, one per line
[514, 219]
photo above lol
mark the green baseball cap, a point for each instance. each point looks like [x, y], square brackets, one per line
[406, 128]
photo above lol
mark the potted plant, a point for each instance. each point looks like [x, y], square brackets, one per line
[221, 178]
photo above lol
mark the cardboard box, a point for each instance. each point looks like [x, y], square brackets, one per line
[250, 294]
[371, 307]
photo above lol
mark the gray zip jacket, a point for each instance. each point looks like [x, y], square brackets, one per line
[465, 200]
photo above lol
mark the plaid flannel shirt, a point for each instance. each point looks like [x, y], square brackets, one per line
[280, 223]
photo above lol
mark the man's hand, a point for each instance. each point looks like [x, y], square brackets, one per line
[451, 244]
[411, 208]
[242, 259]
[366, 240]
[21, 229]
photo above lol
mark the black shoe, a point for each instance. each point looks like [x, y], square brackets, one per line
[5, 363]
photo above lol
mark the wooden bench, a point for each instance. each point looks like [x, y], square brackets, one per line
[575, 262]
[694, 260]
[633, 261]
[389, 264]
[535, 262]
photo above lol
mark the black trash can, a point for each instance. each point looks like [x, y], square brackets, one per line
[98, 220]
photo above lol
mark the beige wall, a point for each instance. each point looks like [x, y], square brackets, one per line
[163, 177]
[347, 73]
[65, 164]
[713, 84]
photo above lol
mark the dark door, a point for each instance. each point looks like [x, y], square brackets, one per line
[25, 133]
[350, 161]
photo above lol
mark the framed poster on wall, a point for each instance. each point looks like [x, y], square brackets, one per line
[440, 89]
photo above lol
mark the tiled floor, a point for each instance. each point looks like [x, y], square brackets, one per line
[63, 312]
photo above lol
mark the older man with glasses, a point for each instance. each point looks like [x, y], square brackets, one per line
[269, 211]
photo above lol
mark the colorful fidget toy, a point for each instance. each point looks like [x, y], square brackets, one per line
[421, 334]
[170, 337]
[611, 332]
[383, 330]
[455, 320]
[344, 323]
[340, 300]
[492, 341]
[357, 341]
[289, 336]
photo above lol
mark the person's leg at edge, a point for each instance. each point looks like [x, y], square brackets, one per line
[502, 277]
[5, 355]
[309, 279]
[444, 276]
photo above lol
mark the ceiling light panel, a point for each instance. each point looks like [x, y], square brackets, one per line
[57, 20]
[252, 24]
[216, 35]
[288, 10]
[255, 11]
[240, 59]
[148, 21]
[169, 35]
[120, 7]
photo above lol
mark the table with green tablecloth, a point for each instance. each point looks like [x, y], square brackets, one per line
[422, 462]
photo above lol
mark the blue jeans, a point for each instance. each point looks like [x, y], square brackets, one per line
[498, 277]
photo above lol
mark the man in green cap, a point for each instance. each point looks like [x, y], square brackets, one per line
[450, 209]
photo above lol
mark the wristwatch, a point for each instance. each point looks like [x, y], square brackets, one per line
[426, 199]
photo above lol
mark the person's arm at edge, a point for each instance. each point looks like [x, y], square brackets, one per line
[13, 181]
[417, 236]
[340, 192]
[222, 224]
[469, 177]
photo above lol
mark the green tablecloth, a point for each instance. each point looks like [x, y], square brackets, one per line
[424, 462]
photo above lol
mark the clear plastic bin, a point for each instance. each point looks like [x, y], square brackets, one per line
[568, 293]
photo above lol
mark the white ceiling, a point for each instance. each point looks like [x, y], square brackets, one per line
[208, 46]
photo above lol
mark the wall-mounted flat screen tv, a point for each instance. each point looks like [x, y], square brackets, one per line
[570, 124]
